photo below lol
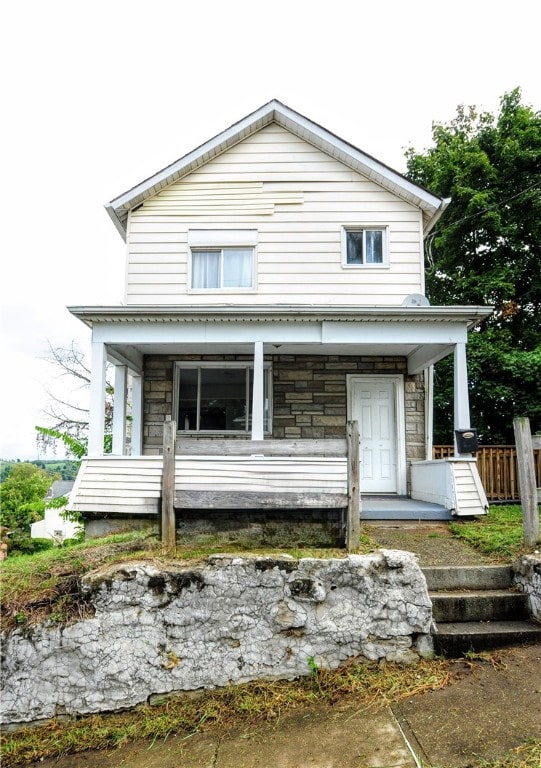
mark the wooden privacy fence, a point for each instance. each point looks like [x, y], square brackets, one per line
[497, 465]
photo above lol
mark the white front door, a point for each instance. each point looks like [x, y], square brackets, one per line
[373, 403]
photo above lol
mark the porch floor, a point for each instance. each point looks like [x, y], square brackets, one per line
[374, 507]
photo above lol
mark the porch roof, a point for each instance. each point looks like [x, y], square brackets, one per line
[423, 335]
[283, 313]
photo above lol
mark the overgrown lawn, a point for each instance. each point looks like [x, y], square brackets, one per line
[499, 534]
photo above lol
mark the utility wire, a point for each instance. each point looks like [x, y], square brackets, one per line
[430, 239]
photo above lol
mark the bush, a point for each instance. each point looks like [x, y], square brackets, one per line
[24, 545]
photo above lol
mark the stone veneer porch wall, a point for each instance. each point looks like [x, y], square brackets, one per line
[309, 396]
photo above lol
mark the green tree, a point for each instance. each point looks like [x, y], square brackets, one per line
[486, 250]
[23, 500]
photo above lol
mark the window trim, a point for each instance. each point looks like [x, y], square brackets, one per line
[383, 228]
[196, 364]
[222, 288]
[220, 240]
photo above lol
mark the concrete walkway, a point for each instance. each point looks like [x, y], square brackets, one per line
[491, 707]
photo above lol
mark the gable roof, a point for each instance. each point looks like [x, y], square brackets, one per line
[276, 112]
[60, 488]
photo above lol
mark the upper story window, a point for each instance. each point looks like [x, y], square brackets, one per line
[222, 259]
[223, 268]
[365, 247]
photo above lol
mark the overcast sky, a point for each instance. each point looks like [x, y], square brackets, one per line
[98, 96]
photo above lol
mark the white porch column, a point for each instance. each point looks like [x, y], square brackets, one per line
[258, 393]
[137, 415]
[119, 410]
[429, 411]
[96, 426]
[462, 399]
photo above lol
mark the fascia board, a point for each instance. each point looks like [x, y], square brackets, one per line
[431, 222]
[116, 221]
[470, 316]
[299, 125]
[344, 151]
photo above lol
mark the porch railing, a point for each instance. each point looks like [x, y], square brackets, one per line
[254, 474]
[497, 465]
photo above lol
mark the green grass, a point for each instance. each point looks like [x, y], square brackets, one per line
[46, 585]
[499, 534]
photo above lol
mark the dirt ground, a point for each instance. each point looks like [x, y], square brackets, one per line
[432, 542]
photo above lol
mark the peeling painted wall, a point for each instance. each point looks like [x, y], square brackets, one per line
[229, 620]
[527, 577]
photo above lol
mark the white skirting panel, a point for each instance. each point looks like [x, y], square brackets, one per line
[453, 483]
[132, 484]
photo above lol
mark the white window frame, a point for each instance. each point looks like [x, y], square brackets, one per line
[222, 240]
[384, 229]
[197, 364]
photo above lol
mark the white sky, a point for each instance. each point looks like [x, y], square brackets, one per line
[98, 96]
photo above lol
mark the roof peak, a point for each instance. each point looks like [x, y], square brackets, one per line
[277, 112]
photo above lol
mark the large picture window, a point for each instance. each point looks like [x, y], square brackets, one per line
[218, 397]
[215, 268]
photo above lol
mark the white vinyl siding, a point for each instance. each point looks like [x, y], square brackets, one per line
[298, 200]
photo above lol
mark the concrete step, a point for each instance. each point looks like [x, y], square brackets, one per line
[376, 508]
[454, 639]
[479, 605]
[471, 577]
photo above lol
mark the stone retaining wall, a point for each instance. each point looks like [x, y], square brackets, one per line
[230, 620]
[527, 577]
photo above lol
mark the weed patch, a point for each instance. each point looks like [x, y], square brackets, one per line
[527, 755]
[46, 585]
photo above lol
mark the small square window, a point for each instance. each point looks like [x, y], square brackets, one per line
[365, 247]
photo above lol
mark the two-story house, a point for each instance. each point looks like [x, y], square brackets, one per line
[274, 293]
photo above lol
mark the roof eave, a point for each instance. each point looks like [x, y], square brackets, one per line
[431, 222]
[472, 315]
[275, 111]
[116, 221]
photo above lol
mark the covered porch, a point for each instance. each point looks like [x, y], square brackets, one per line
[308, 373]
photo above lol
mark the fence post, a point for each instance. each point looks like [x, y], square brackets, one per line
[353, 523]
[169, 537]
[527, 482]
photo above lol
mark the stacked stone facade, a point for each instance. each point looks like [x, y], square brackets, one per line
[309, 396]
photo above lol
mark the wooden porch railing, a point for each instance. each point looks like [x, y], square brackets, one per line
[497, 465]
[338, 458]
